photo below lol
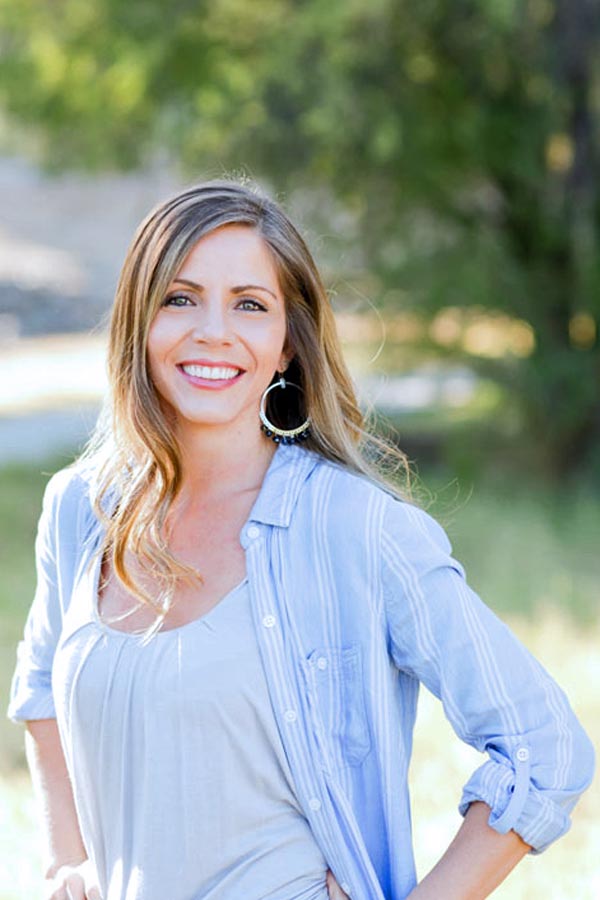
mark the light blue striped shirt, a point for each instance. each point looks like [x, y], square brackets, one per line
[356, 599]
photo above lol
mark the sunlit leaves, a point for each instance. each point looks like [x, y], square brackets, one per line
[461, 138]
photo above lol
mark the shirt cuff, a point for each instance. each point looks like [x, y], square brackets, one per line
[515, 802]
[31, 691]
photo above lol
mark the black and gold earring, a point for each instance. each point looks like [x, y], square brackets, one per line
[281, 435]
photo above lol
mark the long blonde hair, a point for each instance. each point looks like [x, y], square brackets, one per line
[136, 460]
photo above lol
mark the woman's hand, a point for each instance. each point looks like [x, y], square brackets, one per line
[74, 882]
[335, 891]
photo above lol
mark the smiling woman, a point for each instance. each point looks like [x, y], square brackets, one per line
[213, 347]
[220, 667]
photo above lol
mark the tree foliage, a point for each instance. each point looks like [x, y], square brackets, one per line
[463, 137]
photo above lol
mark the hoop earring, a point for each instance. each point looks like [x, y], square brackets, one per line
[281, 435]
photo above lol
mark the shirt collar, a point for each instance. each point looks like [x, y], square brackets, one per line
[290, 467]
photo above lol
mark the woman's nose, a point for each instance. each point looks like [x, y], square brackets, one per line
[212, 324]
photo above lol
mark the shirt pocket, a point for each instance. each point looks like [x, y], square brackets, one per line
[337, 700]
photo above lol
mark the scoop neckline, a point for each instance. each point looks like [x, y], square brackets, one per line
[138, 635]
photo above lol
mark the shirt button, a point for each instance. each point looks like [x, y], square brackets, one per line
[522, 754]
[268, 621]
[314, 804]
[321, 663]
[253, 531]
[290, 715]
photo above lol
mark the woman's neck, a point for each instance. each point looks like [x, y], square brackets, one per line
[219, 461]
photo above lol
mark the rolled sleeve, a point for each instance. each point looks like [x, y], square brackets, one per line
[31, 689]
[497, 697]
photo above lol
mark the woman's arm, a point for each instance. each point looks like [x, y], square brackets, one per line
[54, 794]
[497, 697]
[69, 874]
[475, 863]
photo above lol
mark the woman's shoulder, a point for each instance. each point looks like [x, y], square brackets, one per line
[67, 485]
[357, 500]
[354, 493]
[67, 498]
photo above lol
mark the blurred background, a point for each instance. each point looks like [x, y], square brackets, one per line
[442, 159]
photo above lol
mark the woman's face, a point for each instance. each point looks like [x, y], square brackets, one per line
[220, 332]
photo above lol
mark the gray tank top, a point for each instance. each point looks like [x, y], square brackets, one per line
[181, 782]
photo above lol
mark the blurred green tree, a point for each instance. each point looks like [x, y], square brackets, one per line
[463, 137]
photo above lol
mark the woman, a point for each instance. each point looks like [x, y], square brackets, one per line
[220, 667]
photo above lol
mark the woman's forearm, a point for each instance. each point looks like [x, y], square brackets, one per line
[53, 791]
[475, 863]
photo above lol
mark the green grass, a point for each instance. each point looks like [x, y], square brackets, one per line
[20, 844]
[527, 548]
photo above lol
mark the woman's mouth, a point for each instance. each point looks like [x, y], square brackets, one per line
[216, 373]
[214, 376]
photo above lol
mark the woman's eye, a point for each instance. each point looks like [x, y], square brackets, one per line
[177, 300]
[250, 304]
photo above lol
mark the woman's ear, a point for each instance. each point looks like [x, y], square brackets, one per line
[285, 359]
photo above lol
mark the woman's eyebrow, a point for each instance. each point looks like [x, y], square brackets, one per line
[252, 287]
[238, 289]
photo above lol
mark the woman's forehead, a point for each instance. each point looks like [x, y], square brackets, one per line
[237, 253]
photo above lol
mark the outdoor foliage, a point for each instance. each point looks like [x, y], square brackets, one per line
[460, 140]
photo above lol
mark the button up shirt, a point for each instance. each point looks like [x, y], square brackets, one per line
[356, 600]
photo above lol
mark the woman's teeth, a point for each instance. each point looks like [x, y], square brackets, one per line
[215, 373]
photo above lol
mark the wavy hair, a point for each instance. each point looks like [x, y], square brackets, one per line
[137, 470]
